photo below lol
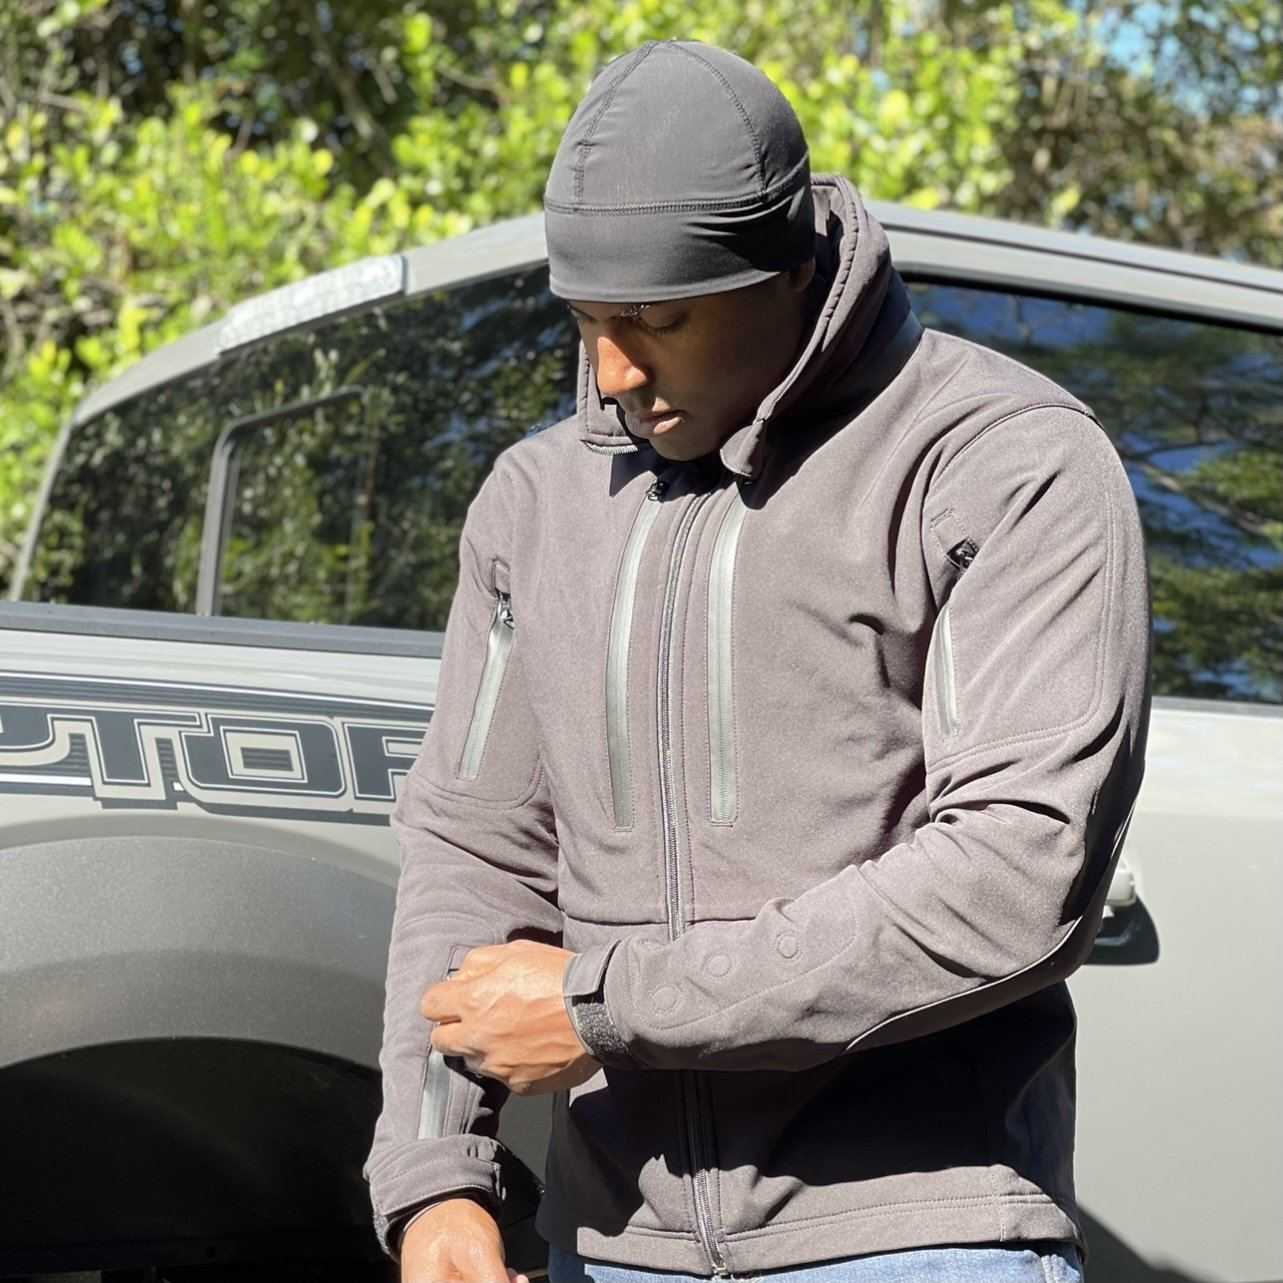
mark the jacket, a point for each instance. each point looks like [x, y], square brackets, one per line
[818, 752]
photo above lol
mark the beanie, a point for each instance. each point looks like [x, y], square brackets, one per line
[684, 171]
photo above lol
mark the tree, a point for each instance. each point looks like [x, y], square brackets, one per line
[157, 167]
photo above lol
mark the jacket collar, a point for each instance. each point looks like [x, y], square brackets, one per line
[864, 305]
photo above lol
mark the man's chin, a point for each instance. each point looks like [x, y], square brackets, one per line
[677, 451]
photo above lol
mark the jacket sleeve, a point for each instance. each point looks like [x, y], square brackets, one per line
[1035, 707]
[478, 867]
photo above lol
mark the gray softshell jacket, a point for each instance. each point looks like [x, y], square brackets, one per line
[818, 753]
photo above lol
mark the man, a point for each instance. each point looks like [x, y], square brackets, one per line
[792, 709]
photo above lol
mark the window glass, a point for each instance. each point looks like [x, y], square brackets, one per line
[1196, 413]
[299, 533]
[347, 515]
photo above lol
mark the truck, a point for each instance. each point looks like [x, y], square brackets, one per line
[220, 655]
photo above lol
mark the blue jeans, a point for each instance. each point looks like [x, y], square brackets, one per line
[1050, 1263]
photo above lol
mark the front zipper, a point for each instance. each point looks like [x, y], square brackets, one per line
[498, 648]
[721, 702]
[618, 747]
[672, 877]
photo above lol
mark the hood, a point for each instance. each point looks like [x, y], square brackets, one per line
[846, 354]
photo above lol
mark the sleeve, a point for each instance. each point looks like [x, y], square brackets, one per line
[478, 866]
[1035, 709]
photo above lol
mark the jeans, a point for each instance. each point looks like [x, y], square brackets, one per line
[1028, 1263]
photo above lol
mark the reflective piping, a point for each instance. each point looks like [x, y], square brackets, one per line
[498, 648]
[941, 649]
[721, 703]
[436, 1096]
[621, 632]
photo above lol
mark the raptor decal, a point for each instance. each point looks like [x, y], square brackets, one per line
[223, 749]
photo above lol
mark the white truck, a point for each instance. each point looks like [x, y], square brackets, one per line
[221, 654]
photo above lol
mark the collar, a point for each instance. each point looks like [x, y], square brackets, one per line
[864, 313]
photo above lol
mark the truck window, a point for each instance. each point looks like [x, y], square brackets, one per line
[337, 517]
[302, 535]
[1194, 411]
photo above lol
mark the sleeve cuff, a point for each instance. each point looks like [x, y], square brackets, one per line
[400, 1225]
[585, 998]
[414, 1175]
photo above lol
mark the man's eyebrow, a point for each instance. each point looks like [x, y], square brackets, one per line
[629, 312]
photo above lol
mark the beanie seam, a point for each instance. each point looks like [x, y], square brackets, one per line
[785, 186]
[744, 116]
[581, 159]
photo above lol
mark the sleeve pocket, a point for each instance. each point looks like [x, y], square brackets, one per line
[451, 1093]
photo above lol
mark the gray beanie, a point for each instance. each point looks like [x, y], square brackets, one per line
[684, 171]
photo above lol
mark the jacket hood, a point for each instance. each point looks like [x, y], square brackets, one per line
[863, 307]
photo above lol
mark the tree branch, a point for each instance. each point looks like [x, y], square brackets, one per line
[1255, 526]
[478, 84]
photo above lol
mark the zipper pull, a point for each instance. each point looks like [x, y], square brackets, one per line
[503, 610]
[963, 554]
[657, 490]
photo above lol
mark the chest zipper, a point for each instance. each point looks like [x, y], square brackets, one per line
[618, 740]
[498, 648]
[721, 691]
[672, 873]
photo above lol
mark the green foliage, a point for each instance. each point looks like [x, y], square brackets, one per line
[921, 124]
[240, 155]
[160, 161]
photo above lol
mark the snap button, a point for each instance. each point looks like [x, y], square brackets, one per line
[786, 944]
[665, 998]
[718, 965]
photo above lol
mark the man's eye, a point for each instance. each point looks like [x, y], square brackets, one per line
[652, 327]
[656, 325]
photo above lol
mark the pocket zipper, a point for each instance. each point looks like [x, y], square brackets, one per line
[438, 1077]
[498, 647]
[436, 1096]
[941, 658]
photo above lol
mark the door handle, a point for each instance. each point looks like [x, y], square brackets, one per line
[1122, 890]
[1119, 920]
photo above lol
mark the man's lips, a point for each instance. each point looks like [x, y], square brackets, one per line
[655, 418]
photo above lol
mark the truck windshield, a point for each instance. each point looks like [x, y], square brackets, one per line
[345, 513]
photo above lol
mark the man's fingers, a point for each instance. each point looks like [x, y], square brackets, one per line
[482, 958]
[448, 1041]
[441, 1002]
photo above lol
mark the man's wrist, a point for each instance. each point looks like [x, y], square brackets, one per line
[584, 993]
[409, 1218]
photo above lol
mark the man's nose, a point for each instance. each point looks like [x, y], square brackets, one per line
[617, 371]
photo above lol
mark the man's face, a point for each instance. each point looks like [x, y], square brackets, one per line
[688, 373]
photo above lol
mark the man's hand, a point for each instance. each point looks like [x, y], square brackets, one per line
[504, 1015]
[457, 1241]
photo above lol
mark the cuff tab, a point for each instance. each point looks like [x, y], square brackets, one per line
[586, 972]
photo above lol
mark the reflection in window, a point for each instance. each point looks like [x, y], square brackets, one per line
[1196, 412]
[299, 531]
[351, 515]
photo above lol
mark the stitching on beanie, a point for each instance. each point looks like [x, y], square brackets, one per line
[786, 186]
[581, 158]
[739, 106]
